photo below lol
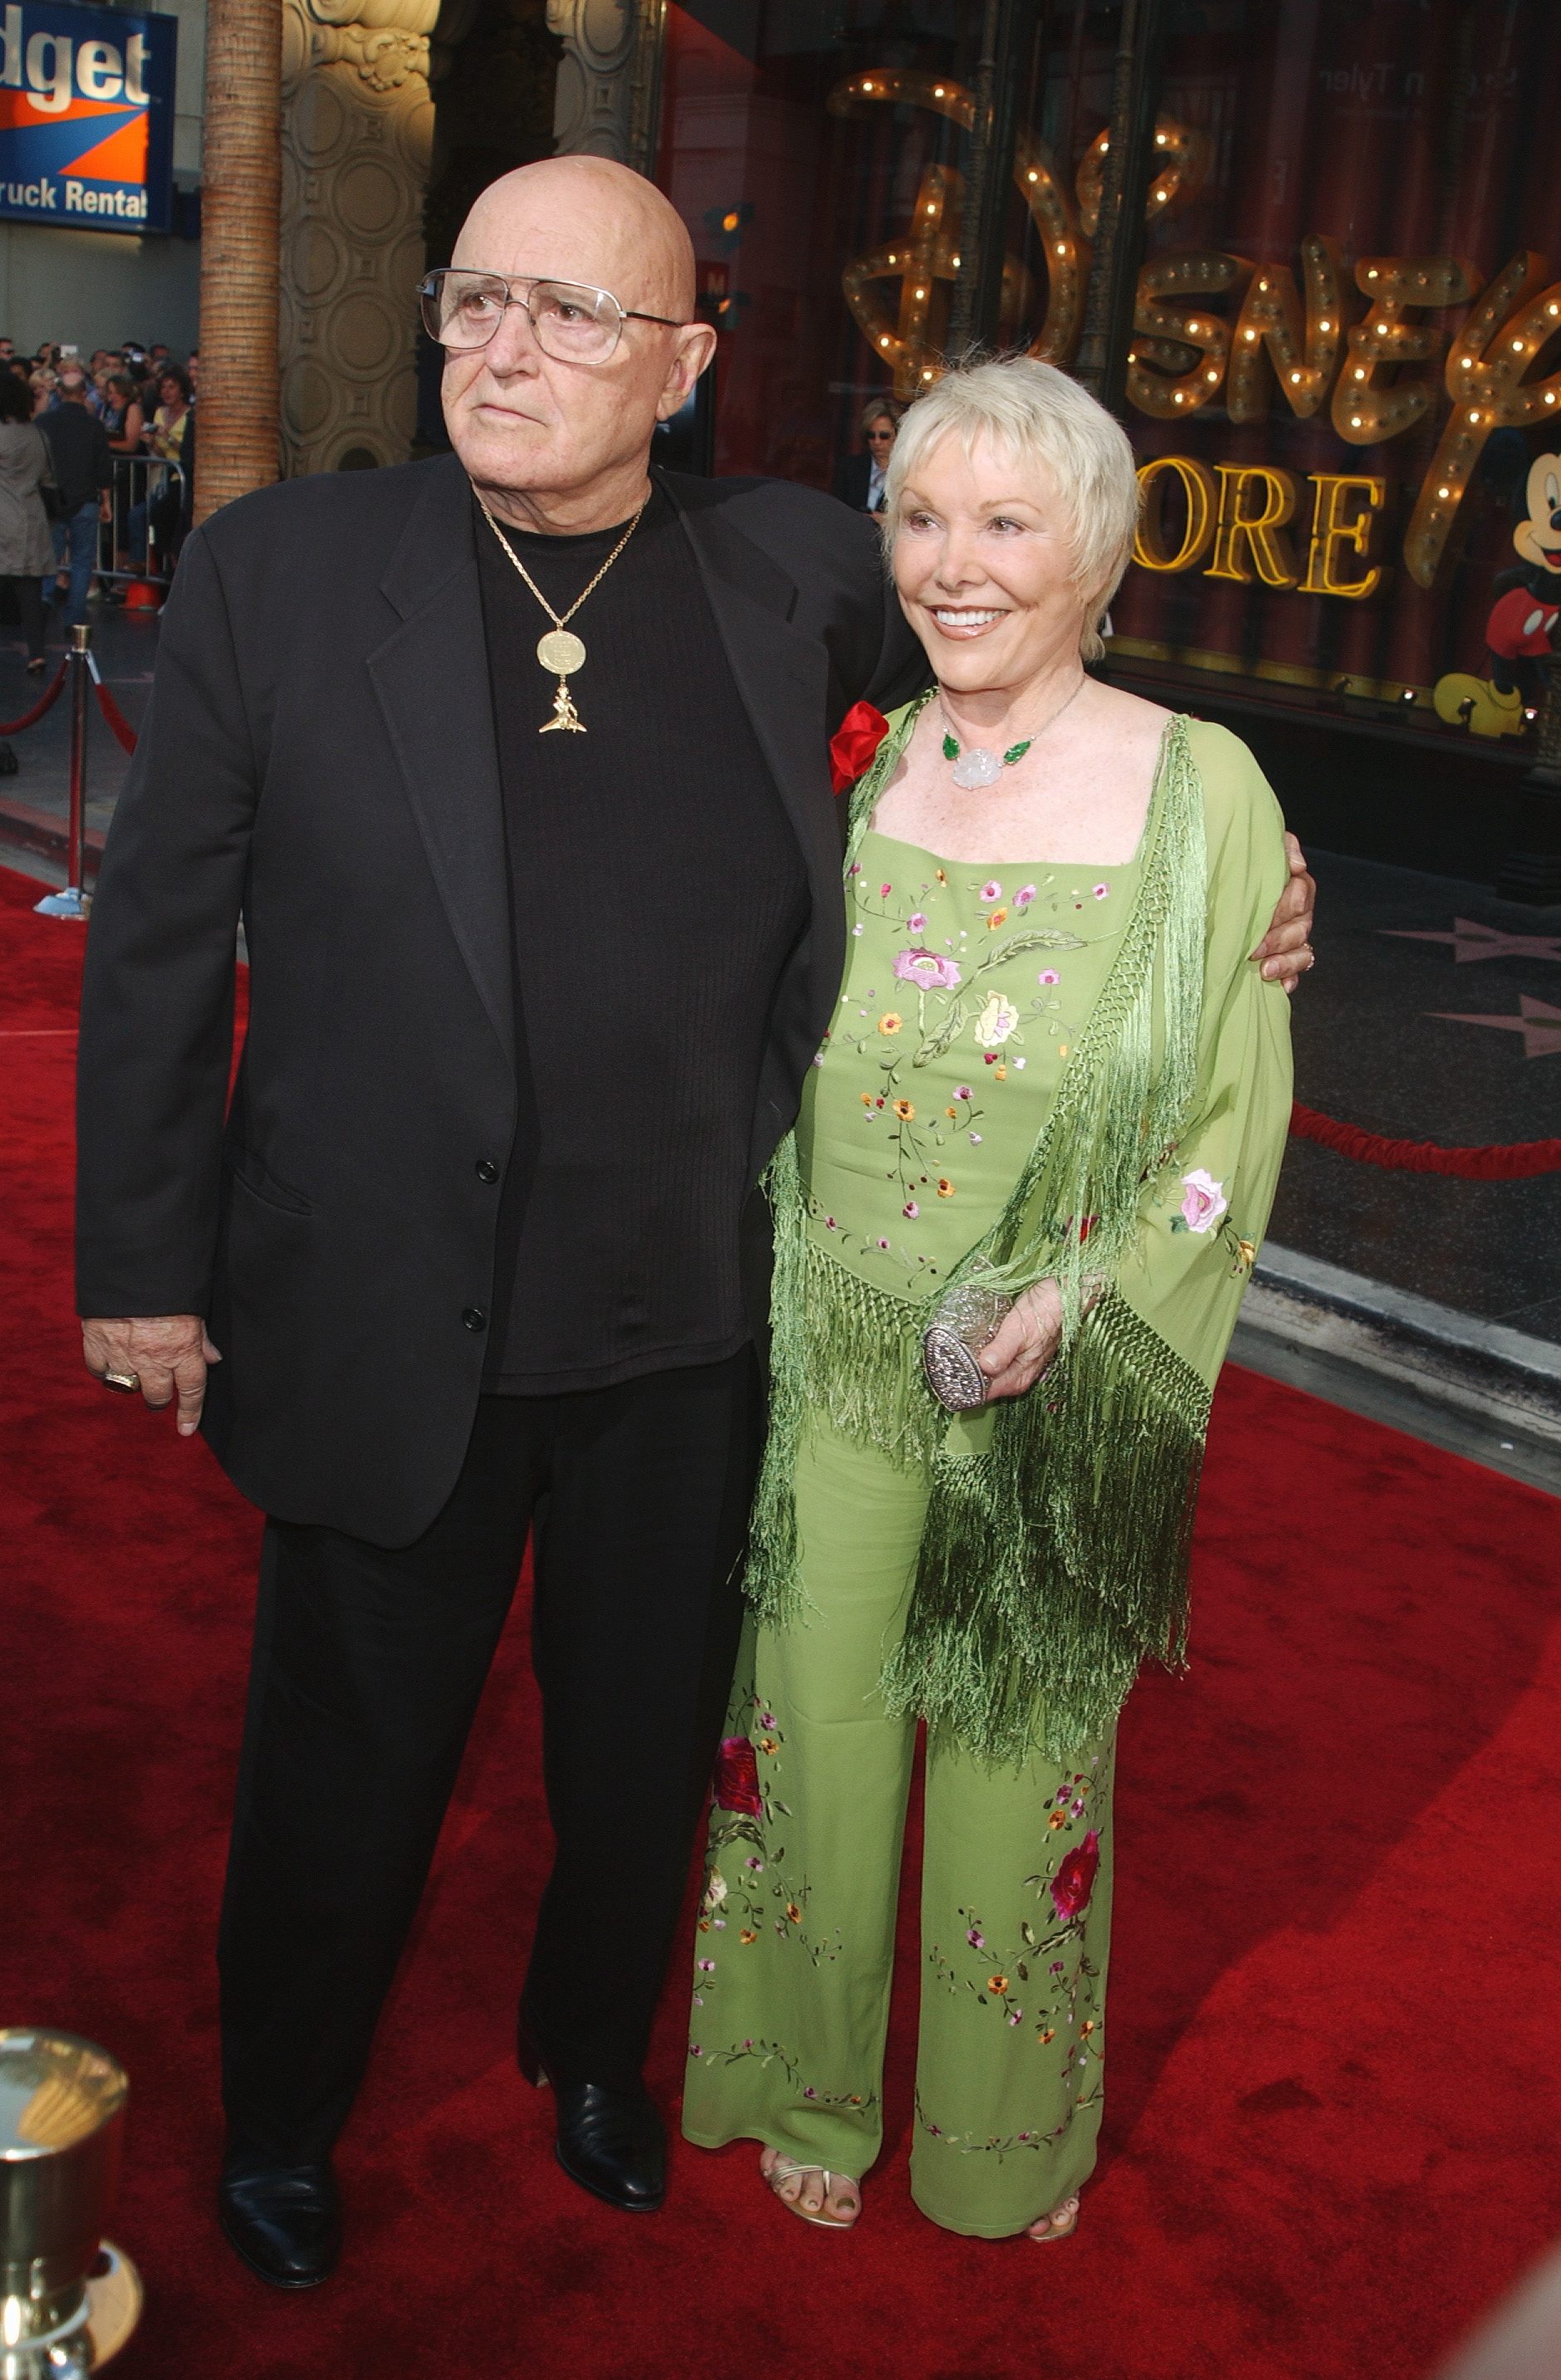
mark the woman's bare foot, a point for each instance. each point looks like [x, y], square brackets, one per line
[1057, 2225]
[833, 2200]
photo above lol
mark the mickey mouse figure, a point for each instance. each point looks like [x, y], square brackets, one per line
[1522, 619]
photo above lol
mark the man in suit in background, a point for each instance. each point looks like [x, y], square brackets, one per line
[859, 481]
[514, 763]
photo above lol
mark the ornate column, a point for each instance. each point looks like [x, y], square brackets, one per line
[357, 127]
[609, 91]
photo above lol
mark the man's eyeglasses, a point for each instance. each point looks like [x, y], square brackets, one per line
[572, 322]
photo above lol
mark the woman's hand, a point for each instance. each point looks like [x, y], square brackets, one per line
[1025, 1343]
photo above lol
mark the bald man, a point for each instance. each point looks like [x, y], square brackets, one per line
[514, 765]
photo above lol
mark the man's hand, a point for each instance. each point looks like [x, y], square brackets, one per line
[166, 1353]
[1286, 949]
[1026, 1343]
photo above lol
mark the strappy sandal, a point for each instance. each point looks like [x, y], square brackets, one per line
[1054, 2230]
[786, 2169]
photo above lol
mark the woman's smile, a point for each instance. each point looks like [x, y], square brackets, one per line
[964, 621]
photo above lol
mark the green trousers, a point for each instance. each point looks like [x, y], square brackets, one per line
[797, 1929]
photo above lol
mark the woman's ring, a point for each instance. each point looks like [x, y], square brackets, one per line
[126, 1382]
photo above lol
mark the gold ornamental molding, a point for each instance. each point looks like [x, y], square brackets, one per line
[358, 127]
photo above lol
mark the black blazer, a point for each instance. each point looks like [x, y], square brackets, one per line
[319, 756]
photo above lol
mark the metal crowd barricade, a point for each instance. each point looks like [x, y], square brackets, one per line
[148, 499]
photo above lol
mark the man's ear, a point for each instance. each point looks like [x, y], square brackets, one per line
[696, 345]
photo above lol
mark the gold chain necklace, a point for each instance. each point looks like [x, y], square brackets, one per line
[560, 651]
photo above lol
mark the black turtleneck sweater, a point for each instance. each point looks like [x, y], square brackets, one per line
[658, 891]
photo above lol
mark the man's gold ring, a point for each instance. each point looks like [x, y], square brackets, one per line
[126, 1382]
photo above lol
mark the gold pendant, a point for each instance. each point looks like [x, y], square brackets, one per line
[564, 713]
[560, 651]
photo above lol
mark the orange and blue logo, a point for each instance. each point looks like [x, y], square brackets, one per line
[86, 116]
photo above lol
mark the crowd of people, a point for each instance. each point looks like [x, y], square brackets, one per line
[65, 425]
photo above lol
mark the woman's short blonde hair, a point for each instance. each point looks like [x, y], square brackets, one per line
[1030, 412]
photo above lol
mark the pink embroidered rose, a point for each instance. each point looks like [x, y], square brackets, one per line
[1022, 900]
[990, 891]
[1204, 1201]
[916, 924]
[1048, 975]
[1100, 891]
[737, 1778]
[927, 970]
[1074, 1880]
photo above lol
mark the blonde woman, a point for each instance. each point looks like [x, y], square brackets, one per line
[1051, 1107]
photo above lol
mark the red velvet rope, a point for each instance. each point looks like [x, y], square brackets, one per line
[1513, 1163]
[115, 716]
[15, 726]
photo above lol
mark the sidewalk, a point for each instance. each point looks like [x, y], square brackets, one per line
[1422, 1300]
[1430, 1302]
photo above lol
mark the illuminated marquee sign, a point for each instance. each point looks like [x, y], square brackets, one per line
[86, 116]
[1267, 342]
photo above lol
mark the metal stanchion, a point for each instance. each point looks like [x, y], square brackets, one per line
[68, 2298]
[74, 901]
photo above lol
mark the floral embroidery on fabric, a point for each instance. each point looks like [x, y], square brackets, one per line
[944, 969]
[1204, 1201]
[737, 1778]
[926, 969]
[1074, 1880]
[995, 1021]
[1043, 1982]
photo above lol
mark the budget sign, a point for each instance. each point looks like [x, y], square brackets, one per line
[86, 116]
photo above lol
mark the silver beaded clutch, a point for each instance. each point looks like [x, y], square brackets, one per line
[964, 1323]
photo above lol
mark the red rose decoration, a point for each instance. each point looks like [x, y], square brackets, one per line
[737, 1780]
[1074, 1880]
[853, 744]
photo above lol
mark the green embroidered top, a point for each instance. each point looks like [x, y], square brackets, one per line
[965, 991]
[1132, 1156]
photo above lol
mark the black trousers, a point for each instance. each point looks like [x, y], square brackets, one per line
[28, 595]
[368, 1668]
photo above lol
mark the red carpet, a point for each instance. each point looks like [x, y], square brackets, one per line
[1333, 2097]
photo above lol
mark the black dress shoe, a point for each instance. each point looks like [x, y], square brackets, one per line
[611, 2141]
[284, 2220]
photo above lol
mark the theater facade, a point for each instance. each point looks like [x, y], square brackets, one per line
[1320, 282]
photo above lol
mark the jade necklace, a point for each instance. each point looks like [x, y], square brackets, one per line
[977, 767]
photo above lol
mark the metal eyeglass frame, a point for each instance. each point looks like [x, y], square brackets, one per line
[429, 293]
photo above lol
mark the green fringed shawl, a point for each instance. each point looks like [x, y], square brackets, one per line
[1055, 1560]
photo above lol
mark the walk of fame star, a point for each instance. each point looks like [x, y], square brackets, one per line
[1539, 1024]
[1472, 940]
